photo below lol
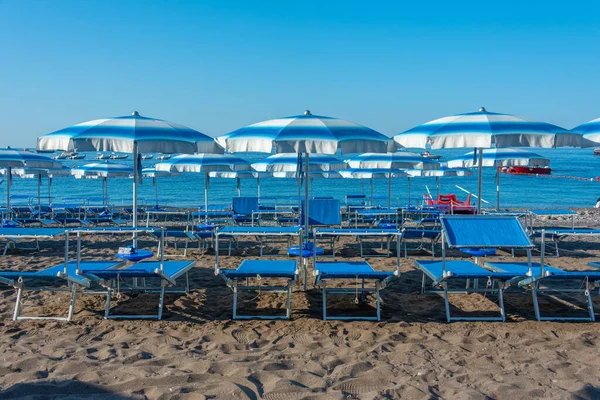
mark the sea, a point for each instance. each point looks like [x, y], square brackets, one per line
[575, 182]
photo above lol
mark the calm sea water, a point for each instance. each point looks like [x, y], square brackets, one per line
[188, 189]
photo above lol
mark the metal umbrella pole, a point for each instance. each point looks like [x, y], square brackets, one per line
[306, 185]
[479, 179]
[136, 174]
[206, 184]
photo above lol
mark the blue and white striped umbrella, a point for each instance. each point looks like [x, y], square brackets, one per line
[289, 162]
[204, 163]
[374, 173]
[398, 160]
[151, 172]
[306, 133]
[102, 170]
[507, 157]
[483, 129]
[238, 176]
[119, 134]
[130, 134]
[442, 171]
[10, 159]
[590, 131]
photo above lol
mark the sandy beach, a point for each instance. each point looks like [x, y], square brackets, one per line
[197, 351]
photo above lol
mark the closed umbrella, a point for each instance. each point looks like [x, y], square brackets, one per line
[483, 129]
[133, 134]
[306, 134]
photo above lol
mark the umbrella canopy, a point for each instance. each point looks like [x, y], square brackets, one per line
[590, 131]
[399, 160]
[483, 129]
[133, 134]
[119, 134]
[507, 157]
[289, 162]
[22, 159]
[443, 171]
[154, 174]
[374, 173]
[306, 133]
[102, 170]
[204, 163]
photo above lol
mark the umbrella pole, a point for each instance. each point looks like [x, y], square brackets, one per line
[107, 201]
[437, 186]
[206, 183]
[306, 185]
[299, 184]
[135, 190]
[408, 191]
[39, 184]
[498, 189]
[258, 187]
[389, 191]
[49, 190]
[155, 182]
[371, 183]
[479, 177]
[8, 184]
[238, 186]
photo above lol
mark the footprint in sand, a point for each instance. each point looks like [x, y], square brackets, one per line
[353, 335]
[51, 341]
[303, 339]
[171, 340]
[244, 336]
[286, 395]
[360, 386]
[109, 336]
[338, 340]
[85, 338]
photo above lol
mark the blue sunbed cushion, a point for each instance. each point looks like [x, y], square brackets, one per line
[349, 270]
[264, 268]
[144, 269]
[54, 271]
[308, 250]
[484, 231]
[421, 234]
[477, 252]
[138, 255]
[522, 268]
[460, 269]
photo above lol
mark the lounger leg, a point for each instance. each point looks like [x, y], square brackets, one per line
[447, 302]
[161, 301]
[536, 306]
[324, 301]
[501, 301]
[18, 304]
[187, 282]
[72, 303]
[289, 300]
[588, 294]
[377, 302]
[423, 284]
[235, 294]
[107, 310]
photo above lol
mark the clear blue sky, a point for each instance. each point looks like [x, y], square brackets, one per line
[218, 65]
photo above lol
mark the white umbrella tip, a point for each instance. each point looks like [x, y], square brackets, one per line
[482, 109]
[307, 112]
[135, 114]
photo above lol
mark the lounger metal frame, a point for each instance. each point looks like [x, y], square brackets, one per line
[378, 284]
[112, 285]
[496, 286]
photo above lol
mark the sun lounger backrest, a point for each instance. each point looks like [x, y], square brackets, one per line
[323, 212]
[484, 231]
[245, 205]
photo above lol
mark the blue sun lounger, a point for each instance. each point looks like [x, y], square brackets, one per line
[56, 278]
[257, 271]
[534, 278]
[556, 234]
[474, 231]
[14, 235]
[359, 272]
